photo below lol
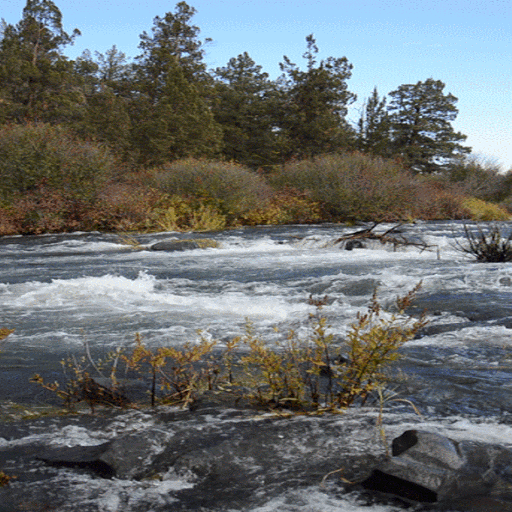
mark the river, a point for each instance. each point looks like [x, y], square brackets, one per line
[59, 291]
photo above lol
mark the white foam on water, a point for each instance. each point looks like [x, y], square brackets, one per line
[459, 428]
[237, 245]
[497, 335]
[73, 435]
[145, 294]
[116, 495]
[227, 301]
[64, 247]
[313, 499]
[78, 291]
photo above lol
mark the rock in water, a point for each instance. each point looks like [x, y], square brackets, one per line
[184, 245]
[85, 457]
[124, 457]
[175, 245]
[428, 467]
[354, 244]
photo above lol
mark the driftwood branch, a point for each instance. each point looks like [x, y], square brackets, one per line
[392, 236]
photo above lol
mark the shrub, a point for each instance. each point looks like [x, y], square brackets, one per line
[125, 207]
[81, 387]
[181, 214]
[8, 222]
[176, 369]
[435, 200]
[40, 154]
[316, 372]
[288, 206]
[481, 178]
[5, 479]
[5, 332]
[174, 376]
[45, 210]
[483, 211]
[310, 373]
[490, 247]
[229, 188]
[132, 206]
[352, 186]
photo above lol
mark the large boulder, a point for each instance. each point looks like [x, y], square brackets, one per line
[428, 467]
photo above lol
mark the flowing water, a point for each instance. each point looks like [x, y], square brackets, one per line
[59, 291]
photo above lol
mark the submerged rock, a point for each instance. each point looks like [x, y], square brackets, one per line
[430, 468]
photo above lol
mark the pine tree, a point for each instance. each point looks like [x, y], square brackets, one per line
[107, 92]
[173, 39]
[315, 104]
[421, 116]
[171, 116]
[113, 68]
[37, 81]
[245, 103]
[178, 125]
[374, 127]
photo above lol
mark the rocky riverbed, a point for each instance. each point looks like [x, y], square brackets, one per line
[219, 456]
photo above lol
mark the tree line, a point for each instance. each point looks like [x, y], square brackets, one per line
[166, 105]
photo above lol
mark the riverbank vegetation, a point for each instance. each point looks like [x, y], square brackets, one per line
[57, 192]
[315, 372]
[163, 143]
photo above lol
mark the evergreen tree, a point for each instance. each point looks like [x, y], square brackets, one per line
[374, 127]
[86, 71]
[171, 115]
[421, 116]
[180, 124]
[113, 69]
[173, 39]
[106, 89]
[245, 105]
[315, 104]
[37, 81]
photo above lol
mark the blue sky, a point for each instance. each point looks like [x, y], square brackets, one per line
[467, 44]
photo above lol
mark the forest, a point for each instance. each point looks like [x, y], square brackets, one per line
[163, 143]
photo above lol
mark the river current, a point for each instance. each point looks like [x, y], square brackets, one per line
[59, 291]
